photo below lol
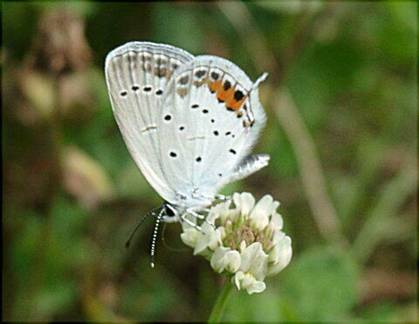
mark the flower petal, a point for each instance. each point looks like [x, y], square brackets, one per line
[282, 256]
[190, 236]
[244, 202]
[277, 236]
[210, 239]
[218, 211]
[225, 259]
[248, 281]
[254, 260]
[256, 287]
[260, 214]
[237, 278]
[234, 261]
[277, 221]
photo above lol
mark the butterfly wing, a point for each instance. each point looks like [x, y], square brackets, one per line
[211, 117]
[137, 75]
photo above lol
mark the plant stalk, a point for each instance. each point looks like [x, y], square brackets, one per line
[220, 304]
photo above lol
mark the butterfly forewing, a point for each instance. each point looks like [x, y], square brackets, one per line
[137, 75]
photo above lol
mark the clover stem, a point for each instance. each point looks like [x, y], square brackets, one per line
[221, 302]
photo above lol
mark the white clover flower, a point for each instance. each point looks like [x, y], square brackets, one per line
[245, 242]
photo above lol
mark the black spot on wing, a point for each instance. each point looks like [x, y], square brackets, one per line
[184, 80]
[200, 73]
[215, 75]
[227, 85]
[238, 95]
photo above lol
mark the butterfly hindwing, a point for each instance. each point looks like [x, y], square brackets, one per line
[211, 117]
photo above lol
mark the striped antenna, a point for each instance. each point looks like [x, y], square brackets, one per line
[153, 240]
[152, 213]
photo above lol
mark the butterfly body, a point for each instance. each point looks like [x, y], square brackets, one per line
[189, 122]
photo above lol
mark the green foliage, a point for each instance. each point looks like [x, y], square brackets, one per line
[351, 71]
[320, 285]
[49, 252]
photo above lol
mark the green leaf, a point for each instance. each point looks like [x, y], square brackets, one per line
[263, 307]
[320, 285]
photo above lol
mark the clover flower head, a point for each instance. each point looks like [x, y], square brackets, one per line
[243, 239]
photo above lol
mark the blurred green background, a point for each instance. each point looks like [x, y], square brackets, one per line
[341, 101]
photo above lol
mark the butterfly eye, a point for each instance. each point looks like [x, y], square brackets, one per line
[172, 154]
[167, 118]
[198, 159]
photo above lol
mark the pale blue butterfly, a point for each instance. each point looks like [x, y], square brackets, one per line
[189, 123]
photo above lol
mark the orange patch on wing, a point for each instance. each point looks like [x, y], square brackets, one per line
[225, 95]
[234, 104]
[214, 86]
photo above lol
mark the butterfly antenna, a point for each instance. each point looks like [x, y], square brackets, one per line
[128, 242]
[153, 240]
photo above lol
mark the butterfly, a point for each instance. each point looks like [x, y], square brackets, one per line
[189, 122]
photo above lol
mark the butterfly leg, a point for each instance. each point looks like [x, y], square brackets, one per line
[193, 212]
[211, 198]
[170, 219]
[222, 197]
[189, 222]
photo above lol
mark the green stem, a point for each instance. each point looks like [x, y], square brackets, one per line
[219, 306]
